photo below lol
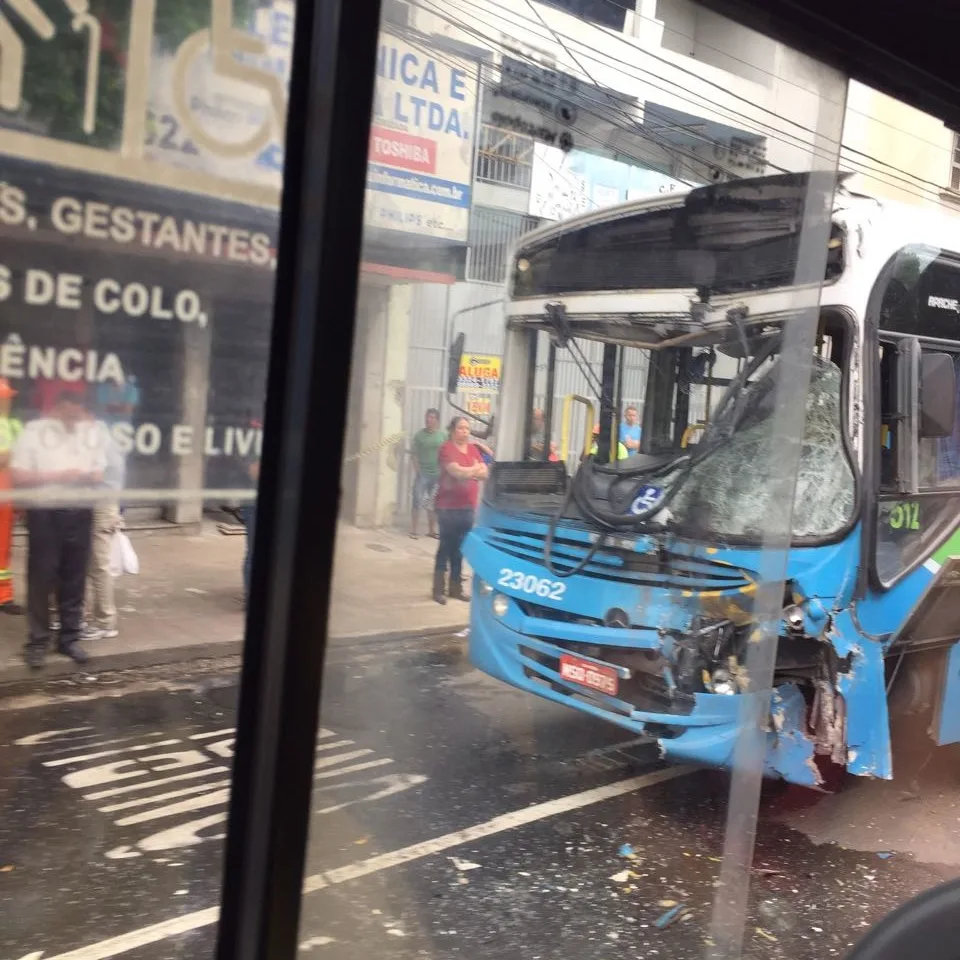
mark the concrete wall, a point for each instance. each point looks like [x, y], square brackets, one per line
[897, 151]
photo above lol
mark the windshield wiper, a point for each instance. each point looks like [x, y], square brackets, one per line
[556, 314]
[730, 410]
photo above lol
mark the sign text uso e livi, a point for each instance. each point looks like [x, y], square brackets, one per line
[107, 282]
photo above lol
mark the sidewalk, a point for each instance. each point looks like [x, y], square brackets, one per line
[186, 602]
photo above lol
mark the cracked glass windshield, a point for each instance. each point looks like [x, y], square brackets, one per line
[642, 639]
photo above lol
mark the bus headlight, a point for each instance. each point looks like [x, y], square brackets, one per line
[500, 605]
[485, 588]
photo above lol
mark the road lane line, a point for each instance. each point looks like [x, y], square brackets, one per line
[335, 744]
[157, 932]
[507, 821]
[147, 784]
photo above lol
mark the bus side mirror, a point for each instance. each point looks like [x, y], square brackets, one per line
[453, 362]
[938, 395]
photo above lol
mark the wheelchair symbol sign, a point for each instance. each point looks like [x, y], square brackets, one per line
[647, 498]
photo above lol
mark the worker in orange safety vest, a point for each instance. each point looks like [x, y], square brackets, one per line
[10, 429]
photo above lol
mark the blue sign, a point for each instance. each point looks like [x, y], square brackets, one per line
[647, 498]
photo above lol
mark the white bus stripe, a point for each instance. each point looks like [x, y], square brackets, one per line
[147, 784]
[157, 932]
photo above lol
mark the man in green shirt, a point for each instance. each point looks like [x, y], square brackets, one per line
[426, 471]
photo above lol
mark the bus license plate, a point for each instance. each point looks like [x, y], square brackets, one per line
[589, 674]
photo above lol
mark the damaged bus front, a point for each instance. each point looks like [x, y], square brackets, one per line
[626, 587]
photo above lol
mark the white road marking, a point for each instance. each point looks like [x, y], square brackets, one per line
[392, 783]
[147, 784]
[306, 946]
[95, 744]
[169, 795]
[335, 745]
[353, 768]
[157, 932]
[226, 731]
[63, 761]
[46, 736]
[184, 806]
[340, 758]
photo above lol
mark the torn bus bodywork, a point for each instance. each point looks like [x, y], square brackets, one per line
[677, 621]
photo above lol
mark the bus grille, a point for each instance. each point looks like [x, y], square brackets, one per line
[620, 565]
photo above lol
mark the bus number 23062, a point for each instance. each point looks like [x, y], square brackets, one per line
[540, 586]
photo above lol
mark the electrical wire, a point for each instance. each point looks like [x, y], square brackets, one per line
[727, 112]
[886, 179]
[753, 66]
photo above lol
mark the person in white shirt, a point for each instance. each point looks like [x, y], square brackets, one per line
[101, 606]
[58, 456]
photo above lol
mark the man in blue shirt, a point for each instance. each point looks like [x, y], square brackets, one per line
[630, 430]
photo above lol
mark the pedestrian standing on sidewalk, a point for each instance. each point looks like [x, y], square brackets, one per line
[62, 455]
[426, 471]
[10, 430]
[461, 470]
[100, 601]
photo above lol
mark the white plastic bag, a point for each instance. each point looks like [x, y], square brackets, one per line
[123, 558]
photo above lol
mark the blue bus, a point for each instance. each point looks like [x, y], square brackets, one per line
[626, 588]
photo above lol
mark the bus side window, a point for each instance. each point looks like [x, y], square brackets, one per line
[888, 416]
[940, 456]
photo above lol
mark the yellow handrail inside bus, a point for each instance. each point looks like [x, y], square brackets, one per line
[568, 401]
[689, 432]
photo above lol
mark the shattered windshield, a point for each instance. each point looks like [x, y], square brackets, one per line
[729, 492]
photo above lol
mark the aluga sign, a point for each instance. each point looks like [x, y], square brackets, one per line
[625, 587]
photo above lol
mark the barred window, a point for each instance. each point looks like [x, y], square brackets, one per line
[492, 234]
[504, 157]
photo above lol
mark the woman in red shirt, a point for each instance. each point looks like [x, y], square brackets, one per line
[461, 470]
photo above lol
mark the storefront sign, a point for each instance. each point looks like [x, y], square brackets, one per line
[479, 373]
[421, 142]
[478, 405]
[201, 118]
[113, 287]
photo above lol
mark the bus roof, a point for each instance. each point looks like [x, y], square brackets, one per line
[734, 239]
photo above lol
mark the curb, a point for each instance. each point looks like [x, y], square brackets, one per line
[58, 667]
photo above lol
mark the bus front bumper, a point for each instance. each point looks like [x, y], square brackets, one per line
[699, 728]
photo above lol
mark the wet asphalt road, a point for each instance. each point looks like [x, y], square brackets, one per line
[113, 801]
